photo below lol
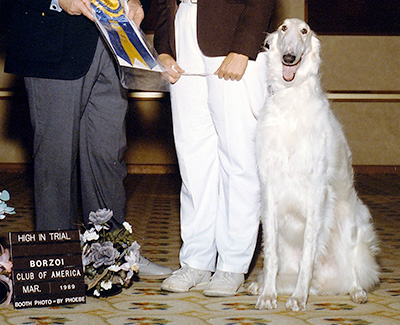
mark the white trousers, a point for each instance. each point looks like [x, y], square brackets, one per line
[214, 130]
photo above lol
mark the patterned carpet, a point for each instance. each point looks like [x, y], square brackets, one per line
[153, 206]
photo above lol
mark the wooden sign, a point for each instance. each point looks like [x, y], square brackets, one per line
[47, 268]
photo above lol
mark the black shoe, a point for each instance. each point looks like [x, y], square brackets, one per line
[115, 290]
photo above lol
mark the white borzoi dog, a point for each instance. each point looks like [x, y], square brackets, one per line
[318, 235]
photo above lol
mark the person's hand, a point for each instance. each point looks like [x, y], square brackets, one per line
[173, 69]
[77, 7]
[135, 12]
[233, 67]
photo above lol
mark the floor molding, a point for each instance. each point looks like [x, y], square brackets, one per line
[333, 95]
[15, 167]
[132, 168]
[152, 169]
[171, 169]
[364, 96]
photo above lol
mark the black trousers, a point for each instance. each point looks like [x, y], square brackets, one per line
[79, 139]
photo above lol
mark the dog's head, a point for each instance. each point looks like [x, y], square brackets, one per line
[293, 51]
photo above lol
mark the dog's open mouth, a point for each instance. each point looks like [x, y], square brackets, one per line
[289, 71]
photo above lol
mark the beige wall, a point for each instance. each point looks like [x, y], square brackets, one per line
[352, 67]
[366, 64]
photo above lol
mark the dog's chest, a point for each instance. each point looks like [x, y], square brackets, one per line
[291, 134]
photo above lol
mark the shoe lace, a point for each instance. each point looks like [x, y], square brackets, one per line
[224, 276]
[185, 272]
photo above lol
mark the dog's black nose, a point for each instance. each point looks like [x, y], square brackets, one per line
[289, 58]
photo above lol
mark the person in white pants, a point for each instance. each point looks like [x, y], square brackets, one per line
[215, 101]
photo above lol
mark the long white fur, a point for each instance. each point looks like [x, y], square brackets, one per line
[318, 235]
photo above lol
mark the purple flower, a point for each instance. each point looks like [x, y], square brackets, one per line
[103, 254]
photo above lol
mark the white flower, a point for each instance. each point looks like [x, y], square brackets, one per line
[85, 256]
[101, 216]
[104, 250]
[99, 227]
[127, 226]
[5, 196]
[114, 268]
[5, 261]
[90, 235]
[106, 285]
[132, 261]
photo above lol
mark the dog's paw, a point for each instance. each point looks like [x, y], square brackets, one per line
[359, 296]
[254, 289]
[296, 304]
[266, 302]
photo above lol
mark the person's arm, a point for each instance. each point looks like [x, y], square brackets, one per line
[135, 11]
[233, 67]
[72, 7]
[82, 7]
[39, 5]
[248, 38]
[162, 32]
[173, 69]
[77, 7]
[252, 27]
[162, 44]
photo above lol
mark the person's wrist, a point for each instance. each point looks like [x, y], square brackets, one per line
[136, 1]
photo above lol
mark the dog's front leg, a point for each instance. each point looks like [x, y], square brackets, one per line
[267, 299]
[314, 213]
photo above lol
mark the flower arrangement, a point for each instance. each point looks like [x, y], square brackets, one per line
[109, 258]
[5, 262]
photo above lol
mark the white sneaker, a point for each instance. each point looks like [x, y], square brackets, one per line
[185, 278]
[224, 284]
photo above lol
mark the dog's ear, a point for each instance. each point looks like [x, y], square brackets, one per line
[315, 42]
[316, 47]
[268, 41]
[314, 54]
[265, 45]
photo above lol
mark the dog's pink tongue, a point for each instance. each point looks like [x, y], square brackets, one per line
[289, 71]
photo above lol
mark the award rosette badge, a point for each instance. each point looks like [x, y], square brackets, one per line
[125, 38]
[136, 58]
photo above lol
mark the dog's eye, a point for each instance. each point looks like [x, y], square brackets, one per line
[284, 28]
[304, 31]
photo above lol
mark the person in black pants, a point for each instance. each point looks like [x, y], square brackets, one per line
[77, 108]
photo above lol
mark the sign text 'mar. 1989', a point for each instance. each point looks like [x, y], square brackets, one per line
[47, 268]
